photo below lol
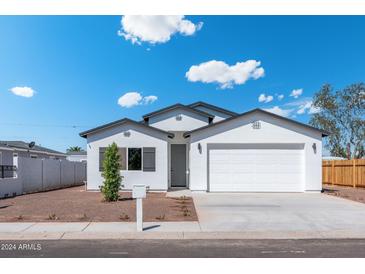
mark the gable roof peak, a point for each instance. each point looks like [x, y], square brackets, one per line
[324, 133]
[213, 107]
[175, 106]
[123, 121]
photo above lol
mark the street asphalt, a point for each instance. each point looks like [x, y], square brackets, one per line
[309, 248]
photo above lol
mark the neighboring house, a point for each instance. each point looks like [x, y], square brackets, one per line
[11, 150]
[77, 156]
[206, 148]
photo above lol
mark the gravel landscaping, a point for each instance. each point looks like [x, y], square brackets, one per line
[77, 205]
[351, 193]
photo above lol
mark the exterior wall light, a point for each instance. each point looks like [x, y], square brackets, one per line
[314, 146]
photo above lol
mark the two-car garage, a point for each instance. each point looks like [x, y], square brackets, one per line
[256, 152]
[255, 167]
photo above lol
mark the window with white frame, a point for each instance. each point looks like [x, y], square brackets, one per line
[15, 159]
[133, 158]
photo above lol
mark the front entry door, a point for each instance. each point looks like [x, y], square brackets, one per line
[178, 165]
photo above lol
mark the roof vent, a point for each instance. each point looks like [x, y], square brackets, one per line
[256, 125]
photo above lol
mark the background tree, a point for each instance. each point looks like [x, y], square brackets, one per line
[342, 115]
[75, 148]
[111, 173]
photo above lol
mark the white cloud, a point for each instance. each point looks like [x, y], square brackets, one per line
[155, 28]
[307, 107]
[280, 111]
[303, 106]
[23, 91]
[131, 99]
[265, 99]
[280, 97]
[223, 74]
[296, 93]
[149, 99]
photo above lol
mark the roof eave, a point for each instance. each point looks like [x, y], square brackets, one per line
[188, 133]
[219, 109]
[203, 113]
[84, 134]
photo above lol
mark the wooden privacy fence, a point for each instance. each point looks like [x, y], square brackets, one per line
[344, 172]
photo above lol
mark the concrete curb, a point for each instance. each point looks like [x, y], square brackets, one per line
[183, 235]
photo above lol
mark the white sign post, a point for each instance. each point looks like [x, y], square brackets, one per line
[139, 192]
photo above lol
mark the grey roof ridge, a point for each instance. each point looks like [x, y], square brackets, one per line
[20, 145]
[207, 105]
[148, 115]
[119, 122]
[188, 133]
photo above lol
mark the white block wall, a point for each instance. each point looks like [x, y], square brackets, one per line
[35, 175]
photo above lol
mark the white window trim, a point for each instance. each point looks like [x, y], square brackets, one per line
[127, 159]
[16, 155]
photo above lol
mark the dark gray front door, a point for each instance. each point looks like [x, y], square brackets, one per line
[178, 165]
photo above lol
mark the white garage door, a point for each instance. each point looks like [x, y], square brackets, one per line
[256, 169]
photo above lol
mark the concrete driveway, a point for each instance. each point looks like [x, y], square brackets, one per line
[307, 213]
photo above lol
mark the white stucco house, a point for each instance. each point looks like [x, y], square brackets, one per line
[207, 148]
[76, 156]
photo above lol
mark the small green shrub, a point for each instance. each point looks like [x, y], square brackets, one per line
[124, 217]
[52, 217]
[84, 217]
[161, 217]
[186, 212]
[111, 174]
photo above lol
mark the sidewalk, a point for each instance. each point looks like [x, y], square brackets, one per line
[152, 230]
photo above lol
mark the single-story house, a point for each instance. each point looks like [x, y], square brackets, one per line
[77, 156]
[207, 148]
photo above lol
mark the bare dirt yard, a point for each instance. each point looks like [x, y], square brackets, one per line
[351, 193]
[77, 205]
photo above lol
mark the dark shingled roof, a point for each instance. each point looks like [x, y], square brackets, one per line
[24, 145]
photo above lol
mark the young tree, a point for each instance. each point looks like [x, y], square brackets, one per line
[111, 173]
[342, 114]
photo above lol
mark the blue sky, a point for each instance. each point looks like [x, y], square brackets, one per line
[79, 67]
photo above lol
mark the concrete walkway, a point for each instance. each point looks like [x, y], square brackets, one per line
[223, 216]
[309, 213]
[153, 230]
